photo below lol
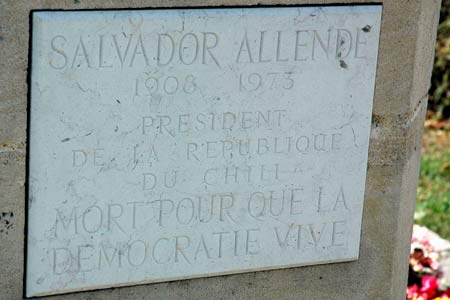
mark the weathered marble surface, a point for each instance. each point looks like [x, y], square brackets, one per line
[403, 72]
[170, 144]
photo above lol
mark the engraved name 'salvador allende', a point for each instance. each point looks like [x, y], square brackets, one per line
[123, 50]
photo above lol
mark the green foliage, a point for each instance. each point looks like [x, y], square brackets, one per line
[440, 83]
[433, 198]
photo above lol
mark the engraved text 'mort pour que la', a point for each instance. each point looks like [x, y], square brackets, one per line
[183, 143]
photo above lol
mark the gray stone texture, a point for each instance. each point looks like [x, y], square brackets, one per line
[404, 68]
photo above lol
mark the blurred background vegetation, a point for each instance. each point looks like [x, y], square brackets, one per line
[439, 103]
[433, 198]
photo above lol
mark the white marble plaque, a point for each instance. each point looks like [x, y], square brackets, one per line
[183, 143]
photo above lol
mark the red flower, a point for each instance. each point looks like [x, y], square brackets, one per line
[429, 287]
[412, 291]
[446, 294]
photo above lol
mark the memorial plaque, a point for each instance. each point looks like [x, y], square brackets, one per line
[183, 143]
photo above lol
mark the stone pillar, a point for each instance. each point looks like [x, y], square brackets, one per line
[406, 50]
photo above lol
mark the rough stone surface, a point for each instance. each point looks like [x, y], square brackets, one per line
[404, 64]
